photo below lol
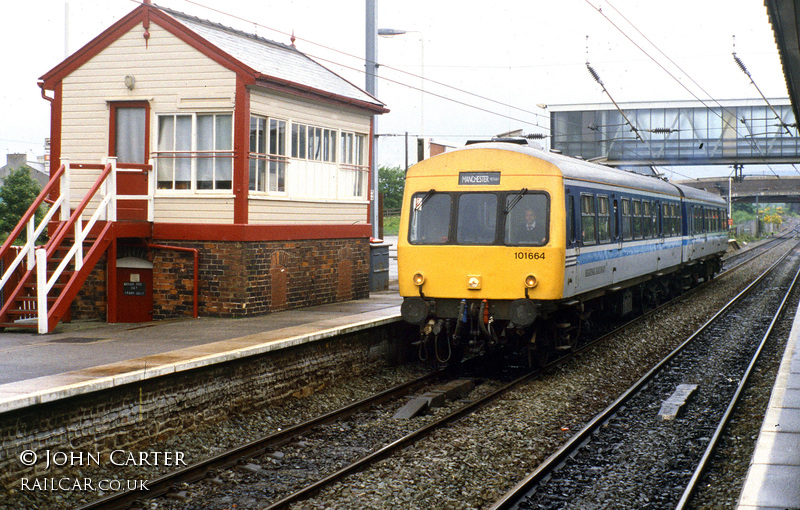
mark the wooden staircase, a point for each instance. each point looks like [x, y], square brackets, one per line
[42, 280]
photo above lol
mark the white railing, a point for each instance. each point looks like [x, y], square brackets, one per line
[34, 231]
[106, 209]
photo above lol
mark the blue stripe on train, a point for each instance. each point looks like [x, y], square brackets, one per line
[609, 252]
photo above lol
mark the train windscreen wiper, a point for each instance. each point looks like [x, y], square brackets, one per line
[427, 197]
[515, 200]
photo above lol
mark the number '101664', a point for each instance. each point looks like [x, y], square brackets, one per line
[529, 255]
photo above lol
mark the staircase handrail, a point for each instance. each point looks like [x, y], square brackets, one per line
[78, 212]
[76, 251]
[28, 220]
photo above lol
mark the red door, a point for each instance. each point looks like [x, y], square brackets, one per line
[129, 142]
[134, 294]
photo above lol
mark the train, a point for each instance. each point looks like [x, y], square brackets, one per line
[503, 244]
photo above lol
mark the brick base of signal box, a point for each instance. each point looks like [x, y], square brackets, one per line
[239, 279]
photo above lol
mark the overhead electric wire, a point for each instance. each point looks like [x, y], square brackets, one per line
[726, 122]
[747, 73]
[463, 103]
[362, 59]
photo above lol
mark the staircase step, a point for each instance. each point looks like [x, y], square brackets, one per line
[22, 312]
[25, 325]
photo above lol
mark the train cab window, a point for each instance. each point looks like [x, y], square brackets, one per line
[588, 220]
[637, 219]
[647, 221]
[430, 218]
[626, 220]
[603, 220]
[526, 220]
[477, 218]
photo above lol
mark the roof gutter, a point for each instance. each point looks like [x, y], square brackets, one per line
[44, 92]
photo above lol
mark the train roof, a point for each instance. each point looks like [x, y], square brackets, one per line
[578, 169]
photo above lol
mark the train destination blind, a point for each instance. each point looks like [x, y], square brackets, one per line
[479, 178]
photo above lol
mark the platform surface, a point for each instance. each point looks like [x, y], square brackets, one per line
[773, 480]
[81, 357]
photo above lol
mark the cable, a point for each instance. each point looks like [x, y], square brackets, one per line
[726, 122]
[361, 59]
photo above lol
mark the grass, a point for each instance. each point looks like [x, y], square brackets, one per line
[391, 225]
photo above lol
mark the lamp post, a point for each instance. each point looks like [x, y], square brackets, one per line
[391, 32]
[371, 65]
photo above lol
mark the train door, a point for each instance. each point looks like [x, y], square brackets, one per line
[572, 247]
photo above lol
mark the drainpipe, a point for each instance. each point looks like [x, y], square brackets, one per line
[196, 254]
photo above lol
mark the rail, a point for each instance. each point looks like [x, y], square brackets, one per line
[568, 449]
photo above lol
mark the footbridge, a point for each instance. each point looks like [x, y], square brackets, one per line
[766, 190]
[734, 132]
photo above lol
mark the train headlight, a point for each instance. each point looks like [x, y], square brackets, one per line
[531, 281]
[418, 279]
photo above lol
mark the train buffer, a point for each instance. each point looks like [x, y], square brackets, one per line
[670, 407]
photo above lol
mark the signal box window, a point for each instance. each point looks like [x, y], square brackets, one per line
[588, 220]
[477, 218]
[430, 218]
[526, 220]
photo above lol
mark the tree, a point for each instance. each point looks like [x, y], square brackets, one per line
[391, 182]
[774, 216]
[17, 193]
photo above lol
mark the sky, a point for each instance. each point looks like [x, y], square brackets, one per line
[465, 69]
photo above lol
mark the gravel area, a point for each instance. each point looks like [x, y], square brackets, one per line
[637, 460]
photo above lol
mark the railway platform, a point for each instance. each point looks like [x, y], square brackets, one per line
[81, 358]
[773, 479]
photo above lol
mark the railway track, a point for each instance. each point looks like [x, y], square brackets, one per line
[261, 462]
[628, 457]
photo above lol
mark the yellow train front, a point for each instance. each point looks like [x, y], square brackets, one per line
[501, 243]
[481, 246]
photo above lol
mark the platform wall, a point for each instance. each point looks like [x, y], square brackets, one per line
[143, 416]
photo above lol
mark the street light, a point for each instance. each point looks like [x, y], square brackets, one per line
[391, 32]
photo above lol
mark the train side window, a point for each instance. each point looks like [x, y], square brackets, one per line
[666, 221]
[698, 220]
[637, 219]
[526, 222]
[675, 228]
[647, 222]
[603, 220]
[654, 220]
[430, 218]
[588, 220]
[477, 218]
[626, 220]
